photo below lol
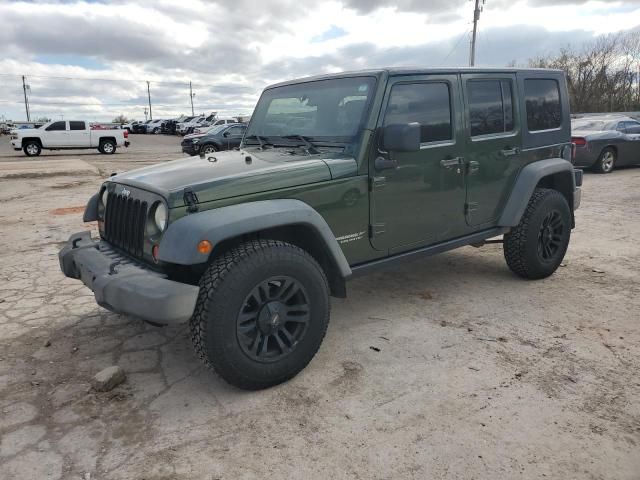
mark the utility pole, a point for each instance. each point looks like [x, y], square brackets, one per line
[149, 96]
[26, 102]
[145, 113]
[476, 16]
[191, 95]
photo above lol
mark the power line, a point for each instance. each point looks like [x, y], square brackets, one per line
[131, 80]
[466, 32]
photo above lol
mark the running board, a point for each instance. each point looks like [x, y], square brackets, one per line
[476, 238]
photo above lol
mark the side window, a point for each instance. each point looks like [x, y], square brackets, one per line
[76, 126]
[56, 126]
[542, 100]
[490, 107]
[633, 127]
[429, 104]
[235, 131]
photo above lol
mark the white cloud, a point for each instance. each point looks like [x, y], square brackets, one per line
[231, 50]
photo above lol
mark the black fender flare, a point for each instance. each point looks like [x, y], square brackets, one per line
[91, 210]
[179, 242]
[528, 178]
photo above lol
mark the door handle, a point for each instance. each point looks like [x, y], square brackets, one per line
[510, 152]
[450, 163]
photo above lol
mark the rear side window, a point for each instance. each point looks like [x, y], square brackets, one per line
[490, 107]
[542, 98]
[429, 104]
[56, 126]
[76, 126]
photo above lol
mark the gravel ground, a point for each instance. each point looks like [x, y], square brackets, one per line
[447, 368]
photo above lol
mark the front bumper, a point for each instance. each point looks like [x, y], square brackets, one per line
[124, 286]
[16, 144]
[191, 149]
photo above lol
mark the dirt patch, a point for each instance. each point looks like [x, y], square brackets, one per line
[67, 210]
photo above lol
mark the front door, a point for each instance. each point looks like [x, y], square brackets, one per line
[233, 136]
[417, 198]
[492, 143]
[57, 134]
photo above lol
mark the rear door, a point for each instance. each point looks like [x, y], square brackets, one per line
[79, 135]
[56, 135]
[493, 144]
[417, 198]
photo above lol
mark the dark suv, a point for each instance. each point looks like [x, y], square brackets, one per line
[249, 245]
[220, 137]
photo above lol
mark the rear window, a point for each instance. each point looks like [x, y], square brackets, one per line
[76, 126]
[542, 97]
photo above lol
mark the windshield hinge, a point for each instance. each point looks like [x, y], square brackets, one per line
[190, 200]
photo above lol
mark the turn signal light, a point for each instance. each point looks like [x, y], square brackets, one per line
[205, 247]
[579, 141]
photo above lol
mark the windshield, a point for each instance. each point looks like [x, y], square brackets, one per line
[588, 125]
[332, 110]
[188, 119]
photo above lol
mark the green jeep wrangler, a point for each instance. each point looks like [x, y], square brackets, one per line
[336, 175]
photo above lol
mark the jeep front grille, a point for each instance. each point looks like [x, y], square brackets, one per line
[124, 223]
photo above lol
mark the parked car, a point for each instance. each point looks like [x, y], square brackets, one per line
[250, 244]
[220, 137]
[129, 127]
[140, 127]
[183, 127]
[169, 127]
[602, 143]
[68, 135]
[154, 126]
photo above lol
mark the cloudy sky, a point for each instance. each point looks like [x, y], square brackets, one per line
[91, 59]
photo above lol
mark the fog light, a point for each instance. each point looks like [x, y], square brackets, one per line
[154, 252]
[205, 247]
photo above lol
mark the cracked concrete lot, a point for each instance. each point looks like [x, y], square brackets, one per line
[444, 368]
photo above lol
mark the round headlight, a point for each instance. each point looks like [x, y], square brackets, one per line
[160, 216]
[105, 196]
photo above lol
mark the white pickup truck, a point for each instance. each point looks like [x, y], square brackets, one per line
[67, 135]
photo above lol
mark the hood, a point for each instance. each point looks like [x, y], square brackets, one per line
[230, 174]
[27, 131]
[195, 135]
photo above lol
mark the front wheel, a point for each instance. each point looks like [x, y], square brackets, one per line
[606, 161]
[207, 149]
[107, 147]
[32, 149]
[535, 248]
[262, 313]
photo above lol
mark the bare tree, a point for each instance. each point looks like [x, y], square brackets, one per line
[602, 76]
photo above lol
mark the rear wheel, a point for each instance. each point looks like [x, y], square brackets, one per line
[107, 147]
[535, 248]
[262, 313]
[32, 148]
[606, 161]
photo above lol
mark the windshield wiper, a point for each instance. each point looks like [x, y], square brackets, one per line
[311, 148]
[262, 141]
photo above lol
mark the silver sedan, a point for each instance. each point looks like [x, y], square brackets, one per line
[604, 142]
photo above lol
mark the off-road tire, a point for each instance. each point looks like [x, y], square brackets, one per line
[212, 148]
[223, 289]
[107, 147]
[32, 148]
[606, 161]
[522, 252]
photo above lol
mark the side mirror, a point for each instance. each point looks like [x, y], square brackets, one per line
[403, 137]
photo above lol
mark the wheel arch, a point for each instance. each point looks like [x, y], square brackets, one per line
[31, 139]
[104, 139]
[553, 173]
[288, 220]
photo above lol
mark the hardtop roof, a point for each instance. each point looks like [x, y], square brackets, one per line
[398, 71]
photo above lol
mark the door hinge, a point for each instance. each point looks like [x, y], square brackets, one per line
[190, 200]
[473, 167]
[470, 207]
[376, 183]
[376, 229]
